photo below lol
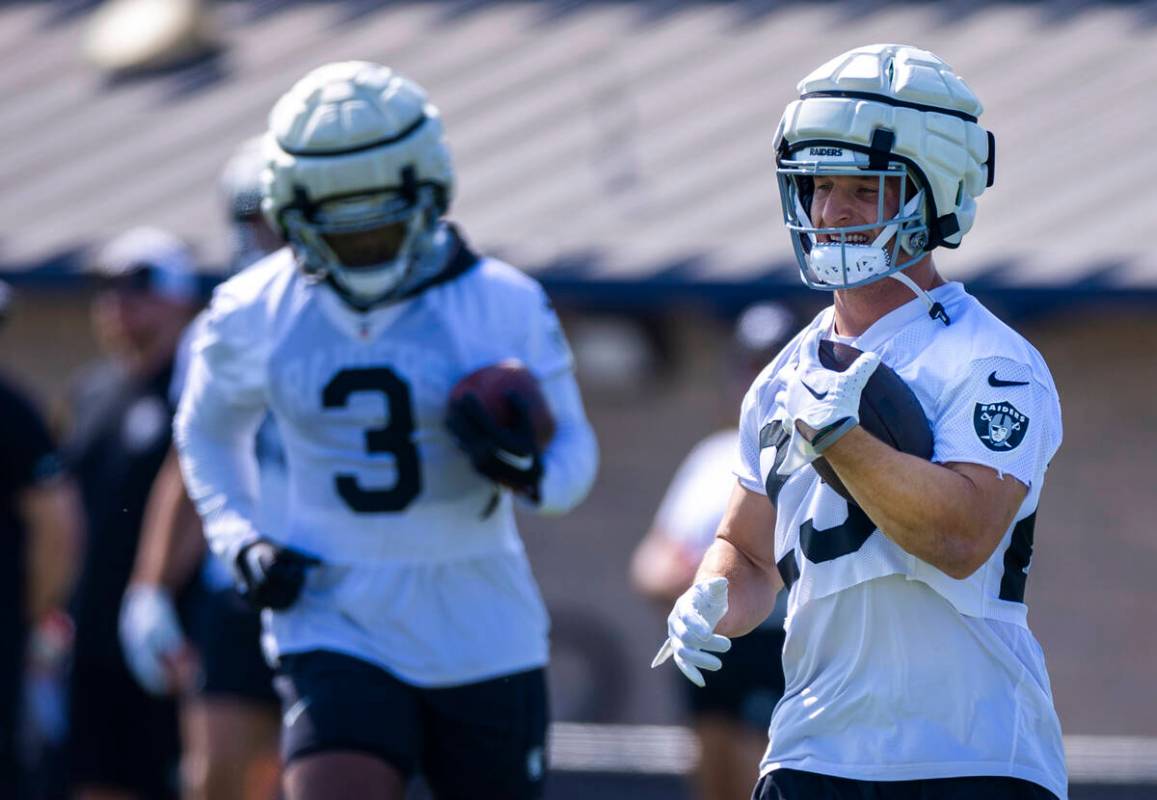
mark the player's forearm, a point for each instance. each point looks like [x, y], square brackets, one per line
[934, 513]
[571, 460]
[53, 518]
[171, 542]
[661, 567]
[751, 586]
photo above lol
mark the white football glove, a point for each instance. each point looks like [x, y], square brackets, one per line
[825, 400]
[690, 630]
[151, 637]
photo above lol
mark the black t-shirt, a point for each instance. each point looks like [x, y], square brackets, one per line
[121, 434]
[27, 457]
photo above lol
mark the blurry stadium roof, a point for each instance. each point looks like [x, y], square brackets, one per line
[600, 143]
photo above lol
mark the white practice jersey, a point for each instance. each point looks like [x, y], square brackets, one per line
[423, 569]
[894, 670]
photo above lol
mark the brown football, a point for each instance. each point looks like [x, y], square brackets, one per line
[494, 384]
[889, 410]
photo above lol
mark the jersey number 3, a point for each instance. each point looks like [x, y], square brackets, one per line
[395, 438]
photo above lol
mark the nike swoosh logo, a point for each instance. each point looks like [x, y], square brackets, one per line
[995, 381]
[518, 462]
[814, 393]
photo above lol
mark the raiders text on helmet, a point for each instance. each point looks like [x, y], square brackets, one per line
[892, 112]
[353, 147]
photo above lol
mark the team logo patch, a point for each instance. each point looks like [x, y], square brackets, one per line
[999, 425]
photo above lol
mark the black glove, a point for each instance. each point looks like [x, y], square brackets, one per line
[509, 456]
[272, 575]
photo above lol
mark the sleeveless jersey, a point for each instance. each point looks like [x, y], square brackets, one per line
[895, 670]
[423, 570]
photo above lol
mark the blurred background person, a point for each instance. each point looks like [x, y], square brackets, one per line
[123, 743]
[40, 537]
[229, 710]
[729, 715]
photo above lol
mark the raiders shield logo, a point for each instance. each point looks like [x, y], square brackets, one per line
[999, 425]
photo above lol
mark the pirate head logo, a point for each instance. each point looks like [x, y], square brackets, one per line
[999, 425]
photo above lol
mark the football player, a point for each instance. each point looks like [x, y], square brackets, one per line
[409, 633]
[910, 668]
[123, 742]
[40, 543]
[228, 711]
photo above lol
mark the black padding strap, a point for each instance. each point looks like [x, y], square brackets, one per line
[891, 101]
[991, 159]
[881, 148]
[409, 184]
[788, 569]
[405, 133]
[944, 227]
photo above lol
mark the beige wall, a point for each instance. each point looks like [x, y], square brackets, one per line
[1093, 589]
[1092, 592]
[46, 339]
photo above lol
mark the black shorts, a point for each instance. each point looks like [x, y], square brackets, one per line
[790, 784]
[487, 737]
[748, 685]
[120, 737]
[227, 633]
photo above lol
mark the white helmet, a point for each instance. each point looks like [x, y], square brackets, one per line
[890, 111]
[240, 180]
[240, 187]
[352, 147]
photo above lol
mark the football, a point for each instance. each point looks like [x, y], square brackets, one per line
[494, 384]
[889, 410]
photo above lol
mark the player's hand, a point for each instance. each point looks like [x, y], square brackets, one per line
[690, 630]
[821, 404]
[509, 456]
[154, 645]
[272, 576]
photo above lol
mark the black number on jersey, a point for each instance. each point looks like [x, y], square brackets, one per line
[774, 435]
[841, 540]
[849, 536]
[1016, 559]
[394, 438]
[827, 544]
[817, 545]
